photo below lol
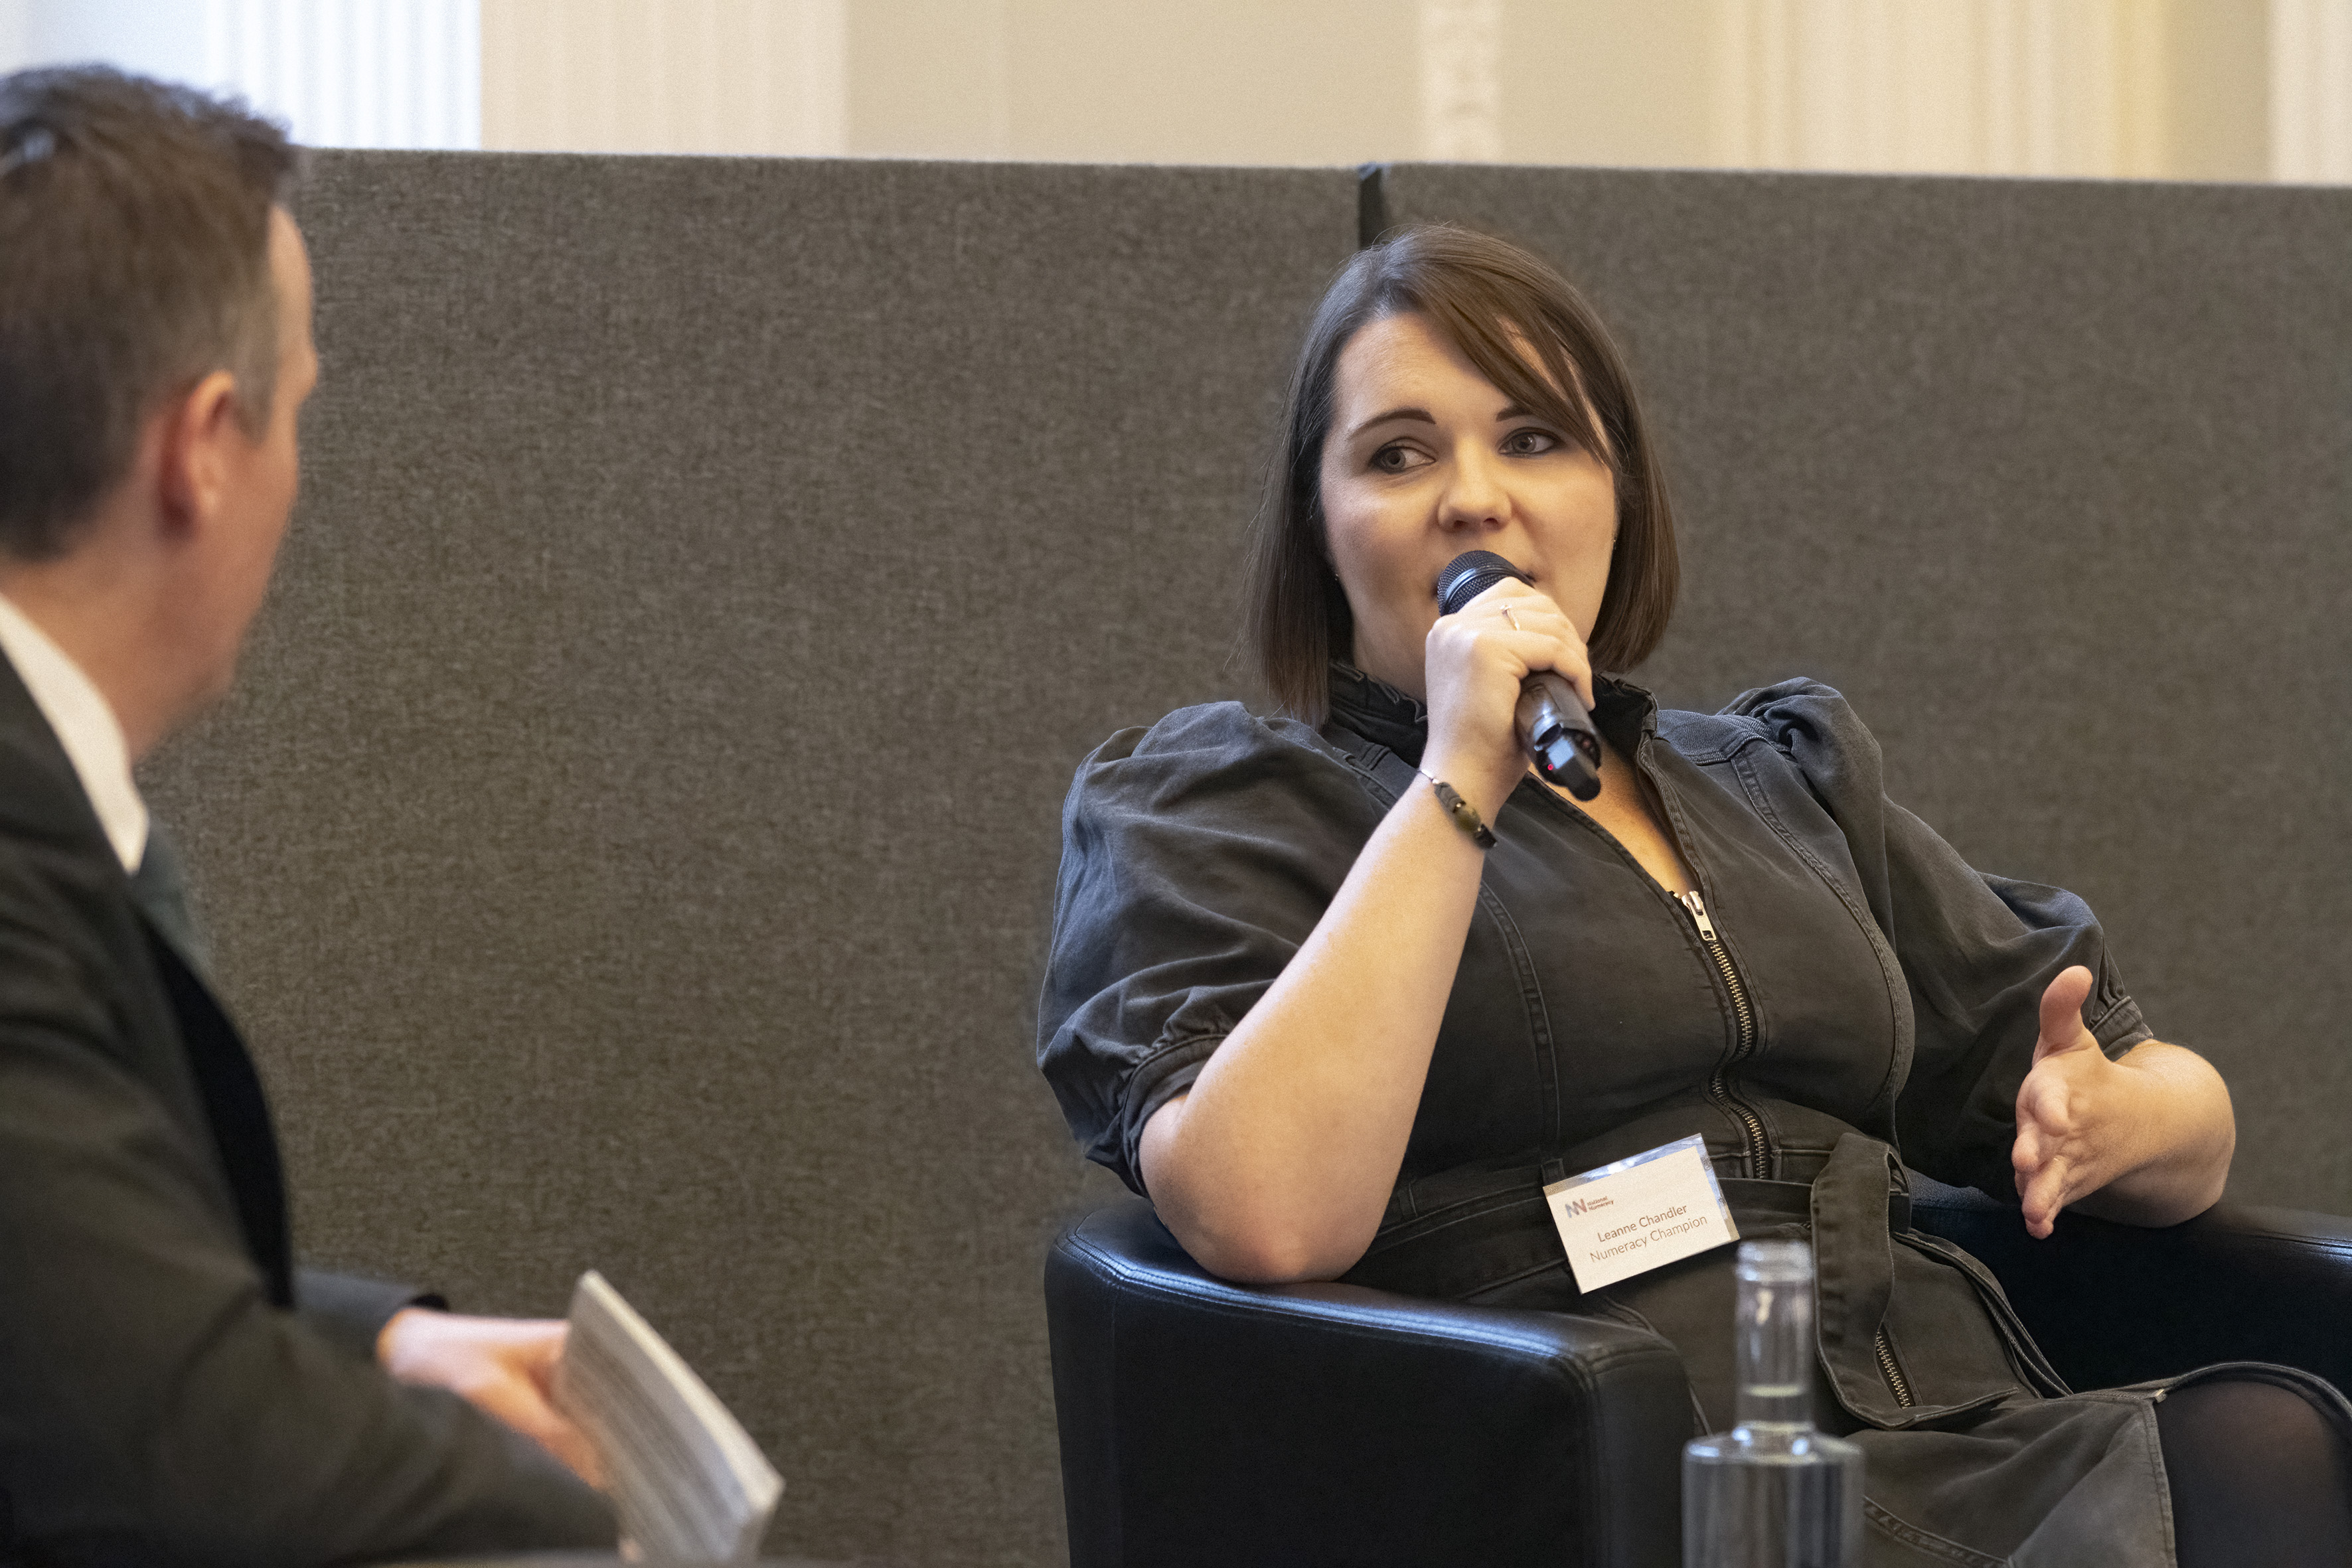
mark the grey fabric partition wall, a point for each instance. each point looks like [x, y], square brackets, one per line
[2054, 479]
[630, 842]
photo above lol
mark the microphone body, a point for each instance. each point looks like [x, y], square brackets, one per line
[1553, 724]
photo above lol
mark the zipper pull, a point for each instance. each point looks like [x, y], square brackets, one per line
[1697, 907]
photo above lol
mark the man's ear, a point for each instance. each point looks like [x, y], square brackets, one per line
[195, 465]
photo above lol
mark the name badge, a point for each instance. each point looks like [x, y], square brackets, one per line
[1641, 1212]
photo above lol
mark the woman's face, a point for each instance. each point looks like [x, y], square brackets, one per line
[1424, 459]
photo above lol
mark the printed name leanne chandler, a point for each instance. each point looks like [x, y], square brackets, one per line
[1644, 1223]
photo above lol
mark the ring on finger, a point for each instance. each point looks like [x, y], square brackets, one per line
[1510, 618]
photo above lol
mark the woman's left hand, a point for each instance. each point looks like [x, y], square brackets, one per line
[2067, 1144]
[2151, 1135]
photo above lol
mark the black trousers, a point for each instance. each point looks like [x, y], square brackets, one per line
[2260, 1473]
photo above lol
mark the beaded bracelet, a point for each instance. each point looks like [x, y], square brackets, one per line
[1465, 815]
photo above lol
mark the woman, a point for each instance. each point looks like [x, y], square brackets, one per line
[1342, 989]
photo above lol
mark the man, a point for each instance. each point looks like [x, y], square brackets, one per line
[171, 1390]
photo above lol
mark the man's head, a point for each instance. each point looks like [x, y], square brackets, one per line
[154, 346]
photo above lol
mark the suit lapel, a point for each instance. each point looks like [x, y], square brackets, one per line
[45, 804]
[235, 1105]
[233, 1101]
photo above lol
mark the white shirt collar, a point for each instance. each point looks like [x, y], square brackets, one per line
[85, 726]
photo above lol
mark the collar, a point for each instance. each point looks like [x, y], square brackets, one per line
[85, 726]
[1378, 711]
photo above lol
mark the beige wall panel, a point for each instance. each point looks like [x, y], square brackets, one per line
[929, 79]
[663, 76]
[1597, 81]
[2096, 87]
[1215, 81]
[2216, 121]
[2216, 89]
[1208, 81]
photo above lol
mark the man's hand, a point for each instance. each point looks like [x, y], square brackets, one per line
[2071, 1139]
[505, 1367]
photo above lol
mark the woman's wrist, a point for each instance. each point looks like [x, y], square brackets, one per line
[2163, 1138]
[1475, 780]
[1466, 816]
[2184, 1130]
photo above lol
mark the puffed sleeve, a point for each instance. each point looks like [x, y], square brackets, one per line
[1196, 857]
[1977, 951]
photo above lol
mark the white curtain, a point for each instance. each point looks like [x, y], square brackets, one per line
[343, 73]
[2311, 90]
[2006, 87]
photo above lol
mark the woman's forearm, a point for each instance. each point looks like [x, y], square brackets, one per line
[2184, 1133]
[1277, 1163]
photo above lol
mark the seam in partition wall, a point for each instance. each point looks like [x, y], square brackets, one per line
[1372, 204]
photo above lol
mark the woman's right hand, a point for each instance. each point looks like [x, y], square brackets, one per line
[1476, 662]
[1277, 1164]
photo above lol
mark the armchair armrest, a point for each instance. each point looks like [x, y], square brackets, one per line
[1202, 1422]
[2114, 1303]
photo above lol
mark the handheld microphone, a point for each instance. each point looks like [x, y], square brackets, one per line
[1553, 725]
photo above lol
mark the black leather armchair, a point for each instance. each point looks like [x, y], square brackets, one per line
[1205, 1422]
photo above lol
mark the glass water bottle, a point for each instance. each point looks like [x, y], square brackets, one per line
[1772, 1493]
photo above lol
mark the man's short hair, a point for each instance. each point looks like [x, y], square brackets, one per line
[134, 261]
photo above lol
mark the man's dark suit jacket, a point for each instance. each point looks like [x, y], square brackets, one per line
[172, 1389]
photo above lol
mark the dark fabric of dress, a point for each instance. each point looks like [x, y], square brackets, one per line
[1872, 1011]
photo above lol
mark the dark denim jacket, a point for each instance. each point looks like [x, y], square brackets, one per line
[1864, 990]
[1887, 988]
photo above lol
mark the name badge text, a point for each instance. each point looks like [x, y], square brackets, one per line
[1640, 1212]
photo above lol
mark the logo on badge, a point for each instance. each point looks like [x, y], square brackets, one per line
[1586, 1206]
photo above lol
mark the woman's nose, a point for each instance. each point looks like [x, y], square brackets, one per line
[1475, 496]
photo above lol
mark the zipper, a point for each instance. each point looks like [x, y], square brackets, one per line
[1743, 1018]
[1899, 1385]
[1719, 1083]
[1719, 1089]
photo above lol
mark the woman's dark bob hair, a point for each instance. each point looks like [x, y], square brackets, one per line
[1497, 305]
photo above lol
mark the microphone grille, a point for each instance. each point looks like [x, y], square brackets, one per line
[1469, 574]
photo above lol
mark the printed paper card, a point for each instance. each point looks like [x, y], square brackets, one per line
[1640, 1212]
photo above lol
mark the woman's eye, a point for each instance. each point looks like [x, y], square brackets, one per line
[1529, 443]
[1396, 460]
